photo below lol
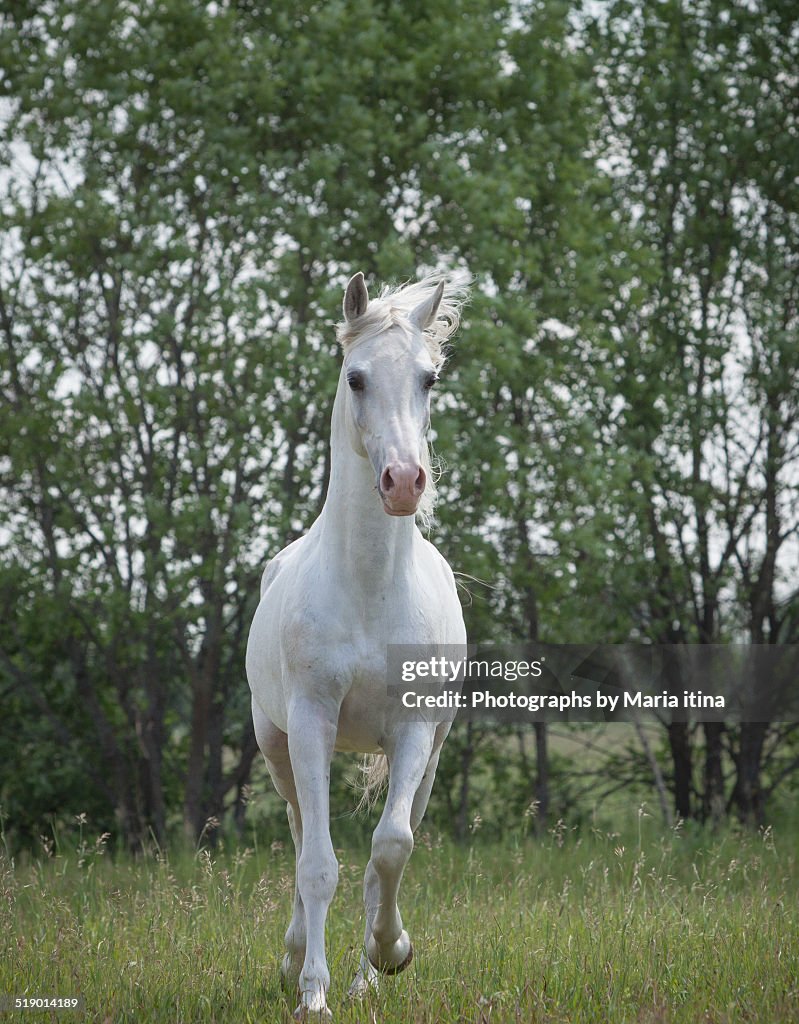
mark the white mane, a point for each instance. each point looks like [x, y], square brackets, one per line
[394, 305]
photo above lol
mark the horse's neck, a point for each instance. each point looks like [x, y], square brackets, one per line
[363, 542]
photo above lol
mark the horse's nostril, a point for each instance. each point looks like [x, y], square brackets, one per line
[386, 482]
[421, 481]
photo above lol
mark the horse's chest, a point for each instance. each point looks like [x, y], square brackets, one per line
[372, 615]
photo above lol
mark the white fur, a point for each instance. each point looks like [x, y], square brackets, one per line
[331, 603]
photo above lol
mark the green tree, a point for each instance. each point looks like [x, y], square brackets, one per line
[706, 376]
[188, 188]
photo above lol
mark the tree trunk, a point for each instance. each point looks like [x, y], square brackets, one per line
[467, 757]
[748, 790]
[541, 776]
[195, 769]
[151, 741]
[216, 788]
[240, 776]
[205, 673]
[657, 774]
[151, 781]
[713, 803]
[680, 747]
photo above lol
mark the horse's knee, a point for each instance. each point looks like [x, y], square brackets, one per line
[391, 847]
[317, 876]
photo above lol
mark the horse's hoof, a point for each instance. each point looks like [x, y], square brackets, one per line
[361, 987]
[365, 981]
[387, 968]
[309, 1016]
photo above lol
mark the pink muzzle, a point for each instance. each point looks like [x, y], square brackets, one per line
[401, 487]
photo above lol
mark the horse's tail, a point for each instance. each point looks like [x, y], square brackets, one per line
[374, 775]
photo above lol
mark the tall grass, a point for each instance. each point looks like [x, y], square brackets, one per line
[589, 925]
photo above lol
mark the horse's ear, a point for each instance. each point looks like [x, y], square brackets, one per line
[425, 312]
[356, 297]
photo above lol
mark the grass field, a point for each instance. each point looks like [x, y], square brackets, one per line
[577, 926]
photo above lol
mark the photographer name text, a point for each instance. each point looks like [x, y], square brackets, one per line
[487, 701]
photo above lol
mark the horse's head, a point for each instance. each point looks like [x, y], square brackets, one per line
[390, 370]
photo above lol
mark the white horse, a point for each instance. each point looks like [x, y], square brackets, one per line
[363, 577]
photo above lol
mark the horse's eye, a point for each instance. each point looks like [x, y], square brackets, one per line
[355, 381]
[430, 381]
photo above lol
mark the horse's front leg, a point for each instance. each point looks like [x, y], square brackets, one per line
[274, 745]
[410, 754]
[311, 737]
